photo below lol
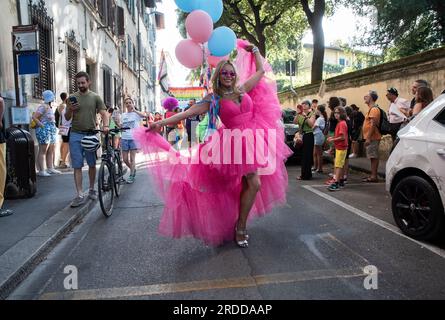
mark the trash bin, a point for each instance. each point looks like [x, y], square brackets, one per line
[20, 162]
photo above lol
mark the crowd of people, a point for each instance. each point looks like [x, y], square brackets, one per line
[340, 134]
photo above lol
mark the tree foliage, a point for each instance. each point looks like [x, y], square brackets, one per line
[402, 27]
[275, 27]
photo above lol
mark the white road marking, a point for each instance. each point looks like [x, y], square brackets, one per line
[381, 223]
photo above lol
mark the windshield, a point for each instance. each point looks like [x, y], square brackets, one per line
[288, 115]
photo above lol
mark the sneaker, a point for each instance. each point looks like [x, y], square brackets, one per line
[331, 175]
[330, 181]
[5, 212]
[92, 194]
[77, 201]
[43, 173]
[130, 179]
[334, 187]
[53, 171]
[352, 156]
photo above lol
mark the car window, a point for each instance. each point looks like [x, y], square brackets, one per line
[441, 117]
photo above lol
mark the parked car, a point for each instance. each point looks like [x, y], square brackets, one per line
[289, 130]
[415, 174]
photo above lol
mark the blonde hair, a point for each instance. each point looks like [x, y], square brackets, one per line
[128, 98]
[216, 82]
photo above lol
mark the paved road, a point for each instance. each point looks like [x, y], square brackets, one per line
[316, 247]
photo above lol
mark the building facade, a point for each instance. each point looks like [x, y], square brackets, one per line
[113, 40]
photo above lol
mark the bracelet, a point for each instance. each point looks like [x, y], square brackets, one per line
[255, 49]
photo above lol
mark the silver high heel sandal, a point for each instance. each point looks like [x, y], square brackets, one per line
[242, 243]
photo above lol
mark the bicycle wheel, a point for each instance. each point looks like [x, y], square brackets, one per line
[118, 173]
[105, 189]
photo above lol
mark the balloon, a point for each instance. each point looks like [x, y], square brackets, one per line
[213, 7]
[186, 5]
[199, 26]
[189, 53]
[222, 41]
[213, 61]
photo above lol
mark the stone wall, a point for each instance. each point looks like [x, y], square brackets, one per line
[429, 65]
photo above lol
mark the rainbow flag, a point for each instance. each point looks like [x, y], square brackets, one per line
[187, 93]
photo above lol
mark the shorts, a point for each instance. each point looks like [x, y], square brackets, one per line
[77, 152]
[340, 158]
[128, 145]
[356, 135]
[372, 151]
[319, 139]
[47, 134]
[66, 139]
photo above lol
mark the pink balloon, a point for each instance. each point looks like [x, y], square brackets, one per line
[189, 53]
[199, 26]
[213, 61]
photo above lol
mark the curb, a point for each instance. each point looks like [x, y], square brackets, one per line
[357, 168]
[20, 260]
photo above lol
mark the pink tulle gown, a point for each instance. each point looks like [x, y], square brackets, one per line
[202, 194]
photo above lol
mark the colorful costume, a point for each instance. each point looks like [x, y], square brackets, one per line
[202, 194]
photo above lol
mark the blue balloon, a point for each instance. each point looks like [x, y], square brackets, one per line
[186, 5]
[222, 42]
[213, 7]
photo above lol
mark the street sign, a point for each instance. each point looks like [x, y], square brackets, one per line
[290, 68]
[20, 115]
[29, 63]
[24, 38]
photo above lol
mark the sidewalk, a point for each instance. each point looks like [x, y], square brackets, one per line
[36, 226]
[363, 165]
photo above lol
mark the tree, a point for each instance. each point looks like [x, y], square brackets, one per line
[276, 27]
[315, 19]
[270, 25]
[402, 27]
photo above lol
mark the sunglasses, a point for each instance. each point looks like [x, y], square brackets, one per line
[226, 73]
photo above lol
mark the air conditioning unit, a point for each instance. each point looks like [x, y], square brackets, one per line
[85, 44]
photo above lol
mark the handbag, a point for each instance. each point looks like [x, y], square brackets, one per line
[64, 130]
[298, 138]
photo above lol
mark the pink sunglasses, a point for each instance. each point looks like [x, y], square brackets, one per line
[226, 73]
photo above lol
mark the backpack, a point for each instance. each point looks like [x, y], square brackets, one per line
[326, 128]
[384, 126]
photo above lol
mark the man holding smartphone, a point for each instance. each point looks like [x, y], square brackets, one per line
[82, 107]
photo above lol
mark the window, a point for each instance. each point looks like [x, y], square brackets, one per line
[441, 117]
[39, 17]
[107, 86]
[342, 61]
[130, 53]
[72, 61]
[135, 65]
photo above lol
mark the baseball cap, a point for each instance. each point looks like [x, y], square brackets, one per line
[48, 96]
[393, 91]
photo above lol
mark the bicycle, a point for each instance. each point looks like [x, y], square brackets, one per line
[110, 173]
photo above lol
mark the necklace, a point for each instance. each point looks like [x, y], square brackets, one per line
[228, 93]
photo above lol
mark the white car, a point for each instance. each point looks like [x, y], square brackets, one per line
[415, 174]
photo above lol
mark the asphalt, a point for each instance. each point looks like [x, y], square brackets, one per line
[37, 225]
[311, 248]
[40, 223]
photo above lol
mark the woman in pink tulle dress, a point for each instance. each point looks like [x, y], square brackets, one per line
[239, 172]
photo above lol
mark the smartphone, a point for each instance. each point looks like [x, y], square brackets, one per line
[73, 99]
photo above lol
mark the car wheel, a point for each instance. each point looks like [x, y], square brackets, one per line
[417, 208]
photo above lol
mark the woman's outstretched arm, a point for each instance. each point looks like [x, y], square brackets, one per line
[198, 108]
[256, 77]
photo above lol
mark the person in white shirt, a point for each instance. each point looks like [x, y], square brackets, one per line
[397, 110]
[131, 119]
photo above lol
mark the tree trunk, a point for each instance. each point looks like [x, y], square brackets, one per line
[318, 52]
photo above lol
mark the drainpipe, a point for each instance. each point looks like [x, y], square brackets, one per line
[19, 11]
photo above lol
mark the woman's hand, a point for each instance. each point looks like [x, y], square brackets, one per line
[155, 126]
[249, 47]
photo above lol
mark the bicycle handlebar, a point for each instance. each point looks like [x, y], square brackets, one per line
[116, 130]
